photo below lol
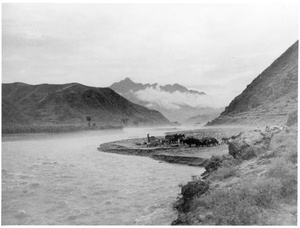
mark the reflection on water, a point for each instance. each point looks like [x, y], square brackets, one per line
[63, 179]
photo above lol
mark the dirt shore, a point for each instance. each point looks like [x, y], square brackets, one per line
[192, 156]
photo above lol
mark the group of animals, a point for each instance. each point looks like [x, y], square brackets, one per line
[180, 139]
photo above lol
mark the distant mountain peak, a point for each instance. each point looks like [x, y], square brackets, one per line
[125, 85]
[165, 98]
[127, 79]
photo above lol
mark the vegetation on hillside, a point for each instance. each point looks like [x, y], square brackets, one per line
[261, 190]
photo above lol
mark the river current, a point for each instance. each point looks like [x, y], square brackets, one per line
[62, 179]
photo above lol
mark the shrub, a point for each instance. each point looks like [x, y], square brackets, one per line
[286, 172]
[283, 139]
[266, 191]
[292, 118]
[268, 154]
[225, 172]
[242, 204]
[233, 207]
[292, 156]
[285, 145]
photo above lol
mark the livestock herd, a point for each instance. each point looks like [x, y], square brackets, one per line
[180, 139]
[176, 140]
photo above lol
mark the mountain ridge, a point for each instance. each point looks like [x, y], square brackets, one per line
[176, 102]
[270, 97]
[70, 104]
[124, 85]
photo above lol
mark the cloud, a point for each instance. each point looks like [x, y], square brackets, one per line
[173, 100]
[190, 44]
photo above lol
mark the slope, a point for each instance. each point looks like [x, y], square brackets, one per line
[270, 97]
[70, 104]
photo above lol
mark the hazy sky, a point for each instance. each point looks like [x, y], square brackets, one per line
[217, 49]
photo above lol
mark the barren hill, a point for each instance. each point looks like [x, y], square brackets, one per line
[271, 96]
[24, 104]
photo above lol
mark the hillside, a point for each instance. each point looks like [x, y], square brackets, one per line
[176, 102]
[271, 96]
[69, 104]
[255, 183]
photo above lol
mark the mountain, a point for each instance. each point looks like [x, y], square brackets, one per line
[124, 86]
[176, 102]
[271, 96]
[24, 104]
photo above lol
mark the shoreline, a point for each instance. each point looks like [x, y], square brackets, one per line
[159, 153]
[247, 157]
[192, 156]
[243, 187]
[53, 129]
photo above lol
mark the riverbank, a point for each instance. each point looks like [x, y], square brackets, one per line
[250, 181]
[54, 128]
[166, 154]
[192, 156]
[254, 184]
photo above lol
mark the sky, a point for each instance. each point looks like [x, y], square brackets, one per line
[213, 48]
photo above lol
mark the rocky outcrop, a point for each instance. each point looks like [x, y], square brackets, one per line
[189, 191]
[214, 163]
[249, 144]
[194, 188]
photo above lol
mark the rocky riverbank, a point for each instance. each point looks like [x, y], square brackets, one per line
[243, 181]
[255, 183]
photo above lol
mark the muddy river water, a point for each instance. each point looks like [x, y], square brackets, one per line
[63, 179]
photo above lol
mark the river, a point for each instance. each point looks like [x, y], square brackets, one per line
[62, 179]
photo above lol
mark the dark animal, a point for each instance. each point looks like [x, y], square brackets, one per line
[211, 141]
[174, 138]
[203, 142]
[208, 141]
[191, 141]
[225, 140]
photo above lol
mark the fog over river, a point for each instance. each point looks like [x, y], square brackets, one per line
[63, 179]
